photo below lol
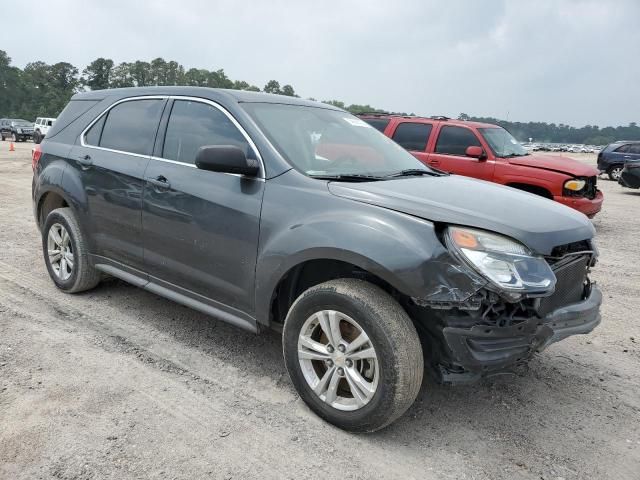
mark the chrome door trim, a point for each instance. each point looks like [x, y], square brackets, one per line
[175, 97]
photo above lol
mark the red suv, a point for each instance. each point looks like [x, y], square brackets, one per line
[489, 152]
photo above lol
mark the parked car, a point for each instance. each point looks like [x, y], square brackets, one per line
[488, 152]
[15, 130]
[612, 158]
[269, 211]
[41, 127]
[630, 175]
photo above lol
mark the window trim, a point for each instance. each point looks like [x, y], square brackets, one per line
[442, 127]
[206, 101]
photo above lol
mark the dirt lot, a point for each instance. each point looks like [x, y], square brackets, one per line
[119, 383]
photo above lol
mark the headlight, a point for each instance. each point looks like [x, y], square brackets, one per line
[19, 130]
[506, 263]
[574, 185]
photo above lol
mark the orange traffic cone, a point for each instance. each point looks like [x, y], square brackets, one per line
[11, 147]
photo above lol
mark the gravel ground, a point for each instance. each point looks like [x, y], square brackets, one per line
[119, 383]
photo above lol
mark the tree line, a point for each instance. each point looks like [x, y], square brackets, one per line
[42, 90]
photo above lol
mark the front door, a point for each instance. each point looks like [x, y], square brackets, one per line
[201, 228]
[449, 153]
[111, 161]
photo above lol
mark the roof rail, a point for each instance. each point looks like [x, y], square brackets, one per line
[439, 117]
[376, 113]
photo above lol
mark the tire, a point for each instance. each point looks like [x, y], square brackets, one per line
[37, 138]
[14, 137]
[393, 378]
[81, 276]
[614, 172]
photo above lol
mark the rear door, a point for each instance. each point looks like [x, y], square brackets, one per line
[111, 161]
[201, 228]
[449, 153]
[414, 136]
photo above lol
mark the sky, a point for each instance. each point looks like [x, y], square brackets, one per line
[562, 61]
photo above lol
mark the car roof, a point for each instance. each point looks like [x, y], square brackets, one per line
[413, 118]
[240, 96]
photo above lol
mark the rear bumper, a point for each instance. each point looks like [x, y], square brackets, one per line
[483, 351]
[587, 206]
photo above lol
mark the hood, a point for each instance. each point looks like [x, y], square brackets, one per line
[537, 222]
[556, 163]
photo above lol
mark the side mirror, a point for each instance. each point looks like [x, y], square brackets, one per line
[475, 152]
[226, 159]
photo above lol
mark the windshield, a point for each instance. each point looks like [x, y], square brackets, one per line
[502, 142]
[322, 142]
[21, 123]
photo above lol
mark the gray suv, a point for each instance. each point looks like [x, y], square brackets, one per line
[272, 212]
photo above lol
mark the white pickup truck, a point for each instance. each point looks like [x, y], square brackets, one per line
[41, 127]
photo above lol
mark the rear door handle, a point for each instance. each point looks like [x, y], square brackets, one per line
[160, 182]
[85, 160]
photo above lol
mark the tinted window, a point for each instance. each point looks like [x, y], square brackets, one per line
[195, 124]
[635, 149]
[377, 123]
[131, 126]
[93, 135]
[71, 112]
[413, 136]
[455, 140]
[622, 149]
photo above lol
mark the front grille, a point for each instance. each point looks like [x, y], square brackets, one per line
[591, 188]
[571, 282]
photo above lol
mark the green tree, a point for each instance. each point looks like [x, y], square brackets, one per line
[288, 91]
[97, 75]
[272, 86]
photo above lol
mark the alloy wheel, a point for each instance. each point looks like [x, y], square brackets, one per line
[616, 173]
[60, 251]
[338, 360]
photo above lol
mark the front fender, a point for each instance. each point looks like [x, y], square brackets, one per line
[403, 250]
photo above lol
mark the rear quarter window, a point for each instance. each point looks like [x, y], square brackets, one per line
[71, 112]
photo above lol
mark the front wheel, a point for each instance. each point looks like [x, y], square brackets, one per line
[615, 173]
[14, 137]
[353, 354]
[37, 138]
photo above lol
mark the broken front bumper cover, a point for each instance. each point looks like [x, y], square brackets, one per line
[487, 350]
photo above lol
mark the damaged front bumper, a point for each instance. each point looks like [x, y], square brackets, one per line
[482, 350]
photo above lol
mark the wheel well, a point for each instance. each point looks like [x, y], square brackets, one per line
[314, 272]
[615, 165]
[49, 202]
[536, 190]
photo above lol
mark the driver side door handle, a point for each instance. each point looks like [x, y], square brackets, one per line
[159, 182]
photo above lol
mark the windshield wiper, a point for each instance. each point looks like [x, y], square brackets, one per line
[348, 177]
[511, 155]
[414, 172]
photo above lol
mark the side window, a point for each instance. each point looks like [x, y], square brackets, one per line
[413, 136]
[131, 126]
[622, 149]
[92, 136]
[635, 149]
[195, 124]
[455, 140]
[378, 123]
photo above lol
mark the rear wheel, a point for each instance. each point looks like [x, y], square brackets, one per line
[353, 354]
[615, 172]
[36, 137]
[66, 253]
